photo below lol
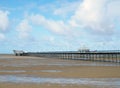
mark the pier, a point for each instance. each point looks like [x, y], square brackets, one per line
[101, 56]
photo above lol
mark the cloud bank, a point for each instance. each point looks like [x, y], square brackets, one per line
[4, 23]
[90, 18]
[2, 37]
[58, 27]
[96, 16]
[92, 23]
[4, 20]
[24, 29]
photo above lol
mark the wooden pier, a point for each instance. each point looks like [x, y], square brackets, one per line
[101, 56]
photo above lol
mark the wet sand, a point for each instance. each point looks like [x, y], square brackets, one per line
[38, 72]
[10, 85]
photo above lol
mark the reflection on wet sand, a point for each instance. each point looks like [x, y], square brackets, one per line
[77, 81]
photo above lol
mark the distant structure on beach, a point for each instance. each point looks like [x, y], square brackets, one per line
[81, 54]
[18, 52]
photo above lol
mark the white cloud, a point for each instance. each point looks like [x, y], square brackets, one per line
[2, 37]
[4, 20]
[66, 8]
[97, 15]
[113, 9]
[24, 29]
[50, 39]
[89, 12]
[58, 27]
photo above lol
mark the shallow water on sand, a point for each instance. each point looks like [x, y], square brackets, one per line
[57, 64]
[35, 62]
[19, 71]
[115, 82]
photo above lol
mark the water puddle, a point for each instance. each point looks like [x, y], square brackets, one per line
[78, 81]
[84, 64]
[51, 71]
[2, 58]
[12, 71]
[19, 71]
[54, 64]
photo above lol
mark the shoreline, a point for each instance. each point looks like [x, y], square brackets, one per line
[16, 67]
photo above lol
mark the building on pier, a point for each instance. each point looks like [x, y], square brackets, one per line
[18, 52]
[84, 50]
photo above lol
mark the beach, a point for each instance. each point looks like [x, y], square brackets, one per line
[39, 72]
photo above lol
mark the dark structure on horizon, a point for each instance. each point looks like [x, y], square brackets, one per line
[87, 55]
[18, 52]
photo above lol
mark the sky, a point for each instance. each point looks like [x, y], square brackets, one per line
[59, 25]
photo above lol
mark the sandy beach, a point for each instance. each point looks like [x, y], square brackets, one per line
[39, 72]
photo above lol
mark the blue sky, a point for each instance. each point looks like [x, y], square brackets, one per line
[56, 25]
